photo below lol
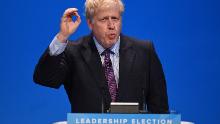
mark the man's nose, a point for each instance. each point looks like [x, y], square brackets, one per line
[111, 24]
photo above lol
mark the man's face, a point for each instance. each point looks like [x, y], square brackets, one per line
[106, 26]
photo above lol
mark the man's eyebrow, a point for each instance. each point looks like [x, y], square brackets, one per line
[114, 17]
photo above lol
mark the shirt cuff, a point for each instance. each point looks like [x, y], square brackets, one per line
[56, 47]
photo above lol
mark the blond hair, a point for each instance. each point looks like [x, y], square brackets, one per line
[91, 6]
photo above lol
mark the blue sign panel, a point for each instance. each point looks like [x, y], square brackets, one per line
[76, 118]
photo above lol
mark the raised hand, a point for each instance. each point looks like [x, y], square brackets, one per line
[68, 26]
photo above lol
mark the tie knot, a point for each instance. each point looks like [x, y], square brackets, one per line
[107, 52]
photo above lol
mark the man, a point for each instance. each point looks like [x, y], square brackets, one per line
[105, 66]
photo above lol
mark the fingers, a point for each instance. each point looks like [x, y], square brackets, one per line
[67, 15]
[78, 19]
[69, 12]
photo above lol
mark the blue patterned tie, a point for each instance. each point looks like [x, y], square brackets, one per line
[109, 74]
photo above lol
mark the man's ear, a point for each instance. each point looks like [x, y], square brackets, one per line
[90, 24]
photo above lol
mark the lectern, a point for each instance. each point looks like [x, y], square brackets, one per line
[123, 113]
[109, 118]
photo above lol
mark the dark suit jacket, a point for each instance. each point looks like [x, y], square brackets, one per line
[79, 69]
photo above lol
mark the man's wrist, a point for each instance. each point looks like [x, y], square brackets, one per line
[56, 47]
[62, 38]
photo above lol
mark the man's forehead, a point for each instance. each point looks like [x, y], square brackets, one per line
[107, 12]
[109, 7]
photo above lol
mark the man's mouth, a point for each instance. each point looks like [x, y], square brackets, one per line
[112, 35]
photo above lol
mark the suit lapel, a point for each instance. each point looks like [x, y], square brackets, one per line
[127, 57]
[93, 60]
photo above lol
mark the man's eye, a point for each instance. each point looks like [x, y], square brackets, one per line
[103, 19]
[115, 19]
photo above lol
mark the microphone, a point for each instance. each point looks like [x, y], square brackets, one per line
[144, 105]
[144, 99]
[103, 105]
[102, 100]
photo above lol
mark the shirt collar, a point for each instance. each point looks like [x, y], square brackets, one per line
[114, 48]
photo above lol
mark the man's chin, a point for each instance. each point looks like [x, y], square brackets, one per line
[112, 43]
